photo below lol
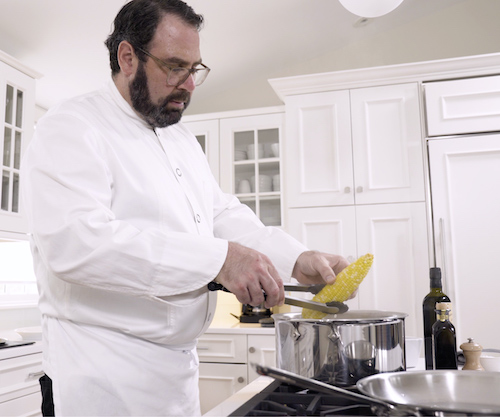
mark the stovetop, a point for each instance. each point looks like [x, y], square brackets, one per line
[280, 399]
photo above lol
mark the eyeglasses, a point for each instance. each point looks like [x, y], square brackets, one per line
[178, 75]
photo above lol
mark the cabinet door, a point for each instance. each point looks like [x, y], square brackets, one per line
[327, 229]
[465, 176]
[387, 144]
[17, 107]
[223, 347]
[463, 106]
[250, 163]
[397, 236]
[218, 381]
[318, 151]
[207, 134]
[262, 351]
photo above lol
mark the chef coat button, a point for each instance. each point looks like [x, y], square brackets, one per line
[179, 172]
[198, 218]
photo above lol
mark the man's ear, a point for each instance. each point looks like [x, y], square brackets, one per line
[127, 59]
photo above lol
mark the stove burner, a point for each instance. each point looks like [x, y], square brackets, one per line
[279, 399]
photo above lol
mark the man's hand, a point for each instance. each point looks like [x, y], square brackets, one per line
[248, 274]
[314, 267]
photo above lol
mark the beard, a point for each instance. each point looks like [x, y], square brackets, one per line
[156, 115]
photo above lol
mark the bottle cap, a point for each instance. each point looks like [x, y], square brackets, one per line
[435, 275]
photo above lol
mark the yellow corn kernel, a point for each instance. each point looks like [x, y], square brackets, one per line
[345, 284]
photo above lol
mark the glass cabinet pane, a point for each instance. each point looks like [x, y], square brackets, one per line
[5, 190]
[17, 150]
[19, 109]
[202, 140]
[9, 104]
[15, 194]
[7, 147]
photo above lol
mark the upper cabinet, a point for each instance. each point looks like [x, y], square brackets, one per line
[243, 150]
[207, 134]
[17, 115]
[250, 151]
[470, 105]
[359, 146]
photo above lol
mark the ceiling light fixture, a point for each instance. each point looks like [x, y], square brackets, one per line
[370, 8]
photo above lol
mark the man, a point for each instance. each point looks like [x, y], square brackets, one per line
[129, 226]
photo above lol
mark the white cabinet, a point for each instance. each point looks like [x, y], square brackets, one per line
[243, 150]
[19, 387]
[207, 134]
[355, 184]
[395, 233]
[463, 106]
[250, 163]
[465, 173]
[225, 363]
[17, 108]
[357, 146]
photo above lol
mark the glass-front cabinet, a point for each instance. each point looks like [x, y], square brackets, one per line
[17, 107]
[250, 163]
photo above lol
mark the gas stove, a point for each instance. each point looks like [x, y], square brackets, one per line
[281, 399]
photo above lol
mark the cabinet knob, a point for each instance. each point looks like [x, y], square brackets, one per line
[359, 189]
[251, 349]
[347, 190]
[241, 380]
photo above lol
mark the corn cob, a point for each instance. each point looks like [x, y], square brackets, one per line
[346, 283]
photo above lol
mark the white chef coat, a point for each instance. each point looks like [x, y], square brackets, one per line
[128, 227]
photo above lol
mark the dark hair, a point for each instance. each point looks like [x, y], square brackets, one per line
[137, 21]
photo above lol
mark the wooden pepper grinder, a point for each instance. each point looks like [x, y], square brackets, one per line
[472, 352]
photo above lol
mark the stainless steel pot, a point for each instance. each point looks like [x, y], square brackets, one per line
[341, 349]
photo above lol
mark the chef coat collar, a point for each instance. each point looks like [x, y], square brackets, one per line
[125, 106]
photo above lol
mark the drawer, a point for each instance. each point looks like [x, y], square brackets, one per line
[469, 105]
[19, 376]
[229, 348]
[28, 405]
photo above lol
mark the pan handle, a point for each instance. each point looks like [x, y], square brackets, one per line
[307, 383]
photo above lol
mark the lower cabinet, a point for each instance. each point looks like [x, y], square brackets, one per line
[19, 387]
[225, 363]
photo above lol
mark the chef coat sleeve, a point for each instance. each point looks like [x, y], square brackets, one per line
[67, 192]
[236, 222]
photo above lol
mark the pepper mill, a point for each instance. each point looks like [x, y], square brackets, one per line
[472, 352]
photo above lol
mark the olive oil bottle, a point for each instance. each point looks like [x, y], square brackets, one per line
[444, 341]
[436, 295]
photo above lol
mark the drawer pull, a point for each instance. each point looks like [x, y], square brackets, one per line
[38, 374]
[241, 379]
[202, 348]
[252, 349]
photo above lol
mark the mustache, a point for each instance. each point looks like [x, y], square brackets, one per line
[183, 96]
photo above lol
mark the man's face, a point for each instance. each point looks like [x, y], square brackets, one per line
[161, 105]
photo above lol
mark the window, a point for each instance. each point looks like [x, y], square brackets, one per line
[17, 278]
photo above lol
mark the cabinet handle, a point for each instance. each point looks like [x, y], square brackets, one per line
[251, 349]
[347, 190]
[202, 348]
[241, 379]
[359, 189]
[38, 374]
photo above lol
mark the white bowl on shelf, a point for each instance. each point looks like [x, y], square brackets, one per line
[265, 183]
[30, 333]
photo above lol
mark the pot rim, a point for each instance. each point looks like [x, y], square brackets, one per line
[351, 316]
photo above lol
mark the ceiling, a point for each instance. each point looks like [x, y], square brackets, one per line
[244, 41]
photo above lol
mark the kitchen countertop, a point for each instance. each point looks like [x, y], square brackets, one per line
[232, 325]
[14, 351]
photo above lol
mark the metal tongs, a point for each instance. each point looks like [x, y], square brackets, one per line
[333, 307]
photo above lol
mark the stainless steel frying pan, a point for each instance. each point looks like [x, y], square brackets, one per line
[409, 393]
